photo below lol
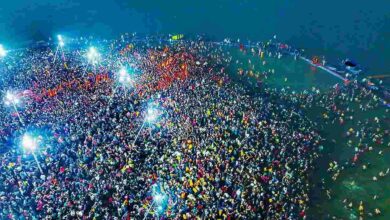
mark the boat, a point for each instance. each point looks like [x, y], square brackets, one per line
[351, 66]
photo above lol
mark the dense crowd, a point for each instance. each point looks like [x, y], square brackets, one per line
[213, 151]
[352, 117]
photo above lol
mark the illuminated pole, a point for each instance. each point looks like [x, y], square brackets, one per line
[150, 117]
[17, 113]
[148, 210]
[159, 198]
[30, 144]
[36, 160]
[139, 131]
[60, 46]
[55, 55]
[125, 79]
[93, 58]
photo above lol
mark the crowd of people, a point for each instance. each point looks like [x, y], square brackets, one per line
[213, 150]
[352, 116]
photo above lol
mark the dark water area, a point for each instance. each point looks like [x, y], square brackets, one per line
[336, 29]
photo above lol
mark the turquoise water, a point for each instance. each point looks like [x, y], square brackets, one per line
[354, 184]
[337, 29]
[284, 72]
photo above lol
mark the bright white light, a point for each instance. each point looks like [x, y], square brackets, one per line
[93, 55]
[92, 52]
[124, 77]
[158, 198]
[3, 52]
[60, 40]
[28, 142]
[9, 96]
[122, 72]
[151, 115]
[16, 101]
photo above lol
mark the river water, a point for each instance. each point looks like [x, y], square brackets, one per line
[356, 29]
[355, 184]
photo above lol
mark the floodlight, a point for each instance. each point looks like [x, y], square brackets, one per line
[92, 55]
[151, 115]
[122, 72]
[158, 198]
[9, 96]
[3, 52]
[28, 142]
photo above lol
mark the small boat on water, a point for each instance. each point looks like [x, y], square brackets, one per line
[351, 67]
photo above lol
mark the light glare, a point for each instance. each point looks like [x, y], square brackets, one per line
[158, 198]
[92, 55]
[9, 96]
[3, 52]
[124, 76]
[123, 72]
[151, 115]
[28, 142]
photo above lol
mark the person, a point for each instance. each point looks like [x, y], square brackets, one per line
[361, 208]
[212, 138]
